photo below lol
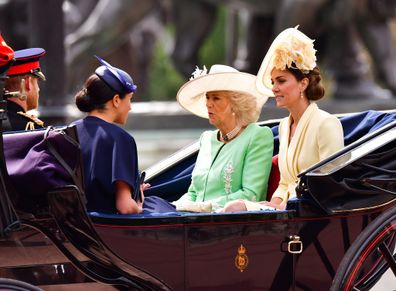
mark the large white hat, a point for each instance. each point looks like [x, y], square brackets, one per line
[191, 95]
[290, 49]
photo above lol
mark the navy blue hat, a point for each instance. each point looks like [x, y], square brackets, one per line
[117, 79]
[27, 61]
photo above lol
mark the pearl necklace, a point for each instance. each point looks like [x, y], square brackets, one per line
[229, 136]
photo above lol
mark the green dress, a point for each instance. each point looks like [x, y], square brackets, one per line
[237, 170]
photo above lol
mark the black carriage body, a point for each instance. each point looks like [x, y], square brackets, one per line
[296, 249]
[202, 252]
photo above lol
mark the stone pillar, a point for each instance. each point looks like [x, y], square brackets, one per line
[46, 30]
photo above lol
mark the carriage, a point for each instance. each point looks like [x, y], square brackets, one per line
[338, 233]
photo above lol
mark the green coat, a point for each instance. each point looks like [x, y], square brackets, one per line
[237, 170]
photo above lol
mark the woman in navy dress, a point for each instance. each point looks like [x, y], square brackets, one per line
[109, 153]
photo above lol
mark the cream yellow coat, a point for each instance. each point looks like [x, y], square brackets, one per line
[317, 136]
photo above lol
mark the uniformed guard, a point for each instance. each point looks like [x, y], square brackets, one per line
[22, 90]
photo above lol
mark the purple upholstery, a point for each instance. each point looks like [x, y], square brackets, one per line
[32, 168]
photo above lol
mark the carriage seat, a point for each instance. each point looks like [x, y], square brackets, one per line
[39, 161]
[274, 178]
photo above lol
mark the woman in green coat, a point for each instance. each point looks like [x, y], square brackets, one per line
[234, 161]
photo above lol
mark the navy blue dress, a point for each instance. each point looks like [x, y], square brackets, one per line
[110, 154]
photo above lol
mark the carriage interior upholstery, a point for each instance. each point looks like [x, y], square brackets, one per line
[40, 161]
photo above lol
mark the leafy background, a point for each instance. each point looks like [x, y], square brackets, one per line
[165, 80]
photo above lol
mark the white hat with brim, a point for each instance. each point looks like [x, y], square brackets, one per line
[263, 82]
[192, 95]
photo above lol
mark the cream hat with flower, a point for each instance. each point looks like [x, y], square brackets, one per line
[192, 95]
[290, 49]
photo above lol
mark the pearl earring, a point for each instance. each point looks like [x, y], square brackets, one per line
[301, 94]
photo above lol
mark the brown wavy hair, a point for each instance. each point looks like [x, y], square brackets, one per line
[315, 89]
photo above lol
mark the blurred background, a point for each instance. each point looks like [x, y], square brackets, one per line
[160, 42]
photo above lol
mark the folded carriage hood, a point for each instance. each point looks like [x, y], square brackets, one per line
[361, 176]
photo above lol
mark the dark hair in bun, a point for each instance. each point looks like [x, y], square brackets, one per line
[315, 89]
[94, 94]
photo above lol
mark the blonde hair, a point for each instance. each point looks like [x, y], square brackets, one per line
[244, 106]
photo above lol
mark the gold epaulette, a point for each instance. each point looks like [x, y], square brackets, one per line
[33, 121]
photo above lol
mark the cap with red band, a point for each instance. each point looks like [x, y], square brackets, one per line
[27, 61]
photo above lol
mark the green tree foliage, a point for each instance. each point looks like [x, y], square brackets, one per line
[165, 80]
[213, 50]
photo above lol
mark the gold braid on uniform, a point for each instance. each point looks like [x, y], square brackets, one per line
[33, 121]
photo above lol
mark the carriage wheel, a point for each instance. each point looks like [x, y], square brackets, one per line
[15, 285]
[370, 256]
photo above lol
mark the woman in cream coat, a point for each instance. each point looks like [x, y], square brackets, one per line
[308, 135]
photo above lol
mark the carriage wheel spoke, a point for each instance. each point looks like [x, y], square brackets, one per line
[388, 256]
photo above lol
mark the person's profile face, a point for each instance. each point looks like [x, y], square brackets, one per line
[123, 109]
[219, 107]
[286, 88]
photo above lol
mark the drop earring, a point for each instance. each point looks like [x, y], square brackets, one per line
[301, 94]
